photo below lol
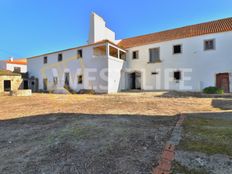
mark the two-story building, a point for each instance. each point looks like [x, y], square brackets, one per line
[188, 58]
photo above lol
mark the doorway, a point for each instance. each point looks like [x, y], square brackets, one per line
[67, 79]
[45, 84]
[7, 85]
[25, 84]
[135, 80]
[223, 82]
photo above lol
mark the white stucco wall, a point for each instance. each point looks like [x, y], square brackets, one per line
[89, 67]
[115, 67]
[98, 30]
[110, 74]
[11, 67]
[203, 64]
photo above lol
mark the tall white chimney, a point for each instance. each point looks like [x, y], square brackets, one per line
[98, 30]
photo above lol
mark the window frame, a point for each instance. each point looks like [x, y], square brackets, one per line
[156, 61]
[17, 69]
[136, 53]
[173, 49]
[214, 44]
[60, 55]
[180, 75]
[79, 53]
[45, 58]
[55, 80]
[78, 79]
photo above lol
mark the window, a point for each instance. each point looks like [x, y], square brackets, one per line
[99, 51]
[209, 44]
[113, 52]
[122, 55]
[177, 75]
[154, 55]
[79, 53]
[55, 81]
[45, 60]
[177, 49]
[60, 57]
[154, 73]
[135, 54]
[17, 69]
[80, 79]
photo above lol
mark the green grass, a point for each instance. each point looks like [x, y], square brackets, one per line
[207, 135]
[179, 169]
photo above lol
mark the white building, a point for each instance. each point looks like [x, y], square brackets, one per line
[14, 65]
[17, 66]
[188, 58]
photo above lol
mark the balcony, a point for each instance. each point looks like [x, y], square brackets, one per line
[109, 50]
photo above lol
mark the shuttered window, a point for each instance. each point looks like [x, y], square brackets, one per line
[209, 44]
[154, 55]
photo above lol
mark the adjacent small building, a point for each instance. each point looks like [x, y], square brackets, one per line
[14, 65]
[18, 66]
[9, 81]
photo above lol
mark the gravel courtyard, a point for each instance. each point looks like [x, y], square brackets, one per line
[83, 144]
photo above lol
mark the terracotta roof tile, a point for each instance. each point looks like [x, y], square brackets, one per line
[17, 61]
[222, 25]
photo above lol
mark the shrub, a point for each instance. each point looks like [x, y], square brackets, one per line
[213, 90]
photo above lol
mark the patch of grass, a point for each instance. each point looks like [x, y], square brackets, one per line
[179, 169]
[207, 135]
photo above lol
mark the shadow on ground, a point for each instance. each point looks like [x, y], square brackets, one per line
[181, 94]
[83, 144]
[224, 104]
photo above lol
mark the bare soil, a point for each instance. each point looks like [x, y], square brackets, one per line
[82, 144]
[122, 103]
[88, 134]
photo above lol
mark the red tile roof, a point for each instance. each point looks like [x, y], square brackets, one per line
[17, 61]
[222, 25]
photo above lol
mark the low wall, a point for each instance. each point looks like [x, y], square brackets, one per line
[26, 92]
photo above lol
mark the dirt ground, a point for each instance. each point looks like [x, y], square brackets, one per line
[83, 144]
[88, 134]
[122, 103]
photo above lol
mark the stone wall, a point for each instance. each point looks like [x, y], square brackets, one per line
[25, 92]
[15, 82]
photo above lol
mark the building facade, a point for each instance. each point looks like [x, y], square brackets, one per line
[186, 59]
[14, 65]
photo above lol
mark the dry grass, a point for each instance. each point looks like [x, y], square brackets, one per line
[122, 103]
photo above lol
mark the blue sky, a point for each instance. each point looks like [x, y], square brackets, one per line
[32, 27]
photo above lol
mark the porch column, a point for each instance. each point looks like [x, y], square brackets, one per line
[107, 50]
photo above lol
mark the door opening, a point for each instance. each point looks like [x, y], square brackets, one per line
[45, 84]
[135, 80]
[25, 84]
[223, 82]
[7, 85]
[67, 79]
